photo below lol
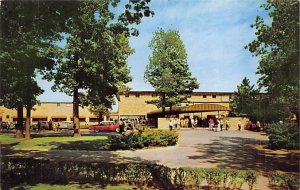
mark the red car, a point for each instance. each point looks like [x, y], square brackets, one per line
[105, 126]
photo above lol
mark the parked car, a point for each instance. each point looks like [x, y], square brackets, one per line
[105, 126]
[65, 125]
[4, 125]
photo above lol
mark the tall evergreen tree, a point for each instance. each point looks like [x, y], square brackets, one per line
[168, 71]
[244, 99]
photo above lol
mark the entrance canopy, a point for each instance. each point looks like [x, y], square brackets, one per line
[189, 109]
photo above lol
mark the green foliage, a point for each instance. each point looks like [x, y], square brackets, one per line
[283, 135]
[279, 180]
[277, 44]
[137, 139]
[244, 99]
[32, 171]
[168, 71]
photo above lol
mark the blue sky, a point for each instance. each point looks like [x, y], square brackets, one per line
[214, 33]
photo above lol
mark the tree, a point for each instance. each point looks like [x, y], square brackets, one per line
[277, 45]
[25, 49]
[244, 99]
[168, 71]
[96, 52]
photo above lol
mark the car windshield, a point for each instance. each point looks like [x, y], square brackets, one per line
[105, 123]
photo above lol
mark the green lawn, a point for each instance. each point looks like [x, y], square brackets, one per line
[74, 187]
[60, 143]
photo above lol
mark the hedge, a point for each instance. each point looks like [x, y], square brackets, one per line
[141, 139]
[16, 171]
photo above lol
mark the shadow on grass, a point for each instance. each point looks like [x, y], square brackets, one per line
[91, 145]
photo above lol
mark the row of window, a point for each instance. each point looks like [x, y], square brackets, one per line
[59, 119]
[155, 95]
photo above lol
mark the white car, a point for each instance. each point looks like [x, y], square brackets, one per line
[66, 125]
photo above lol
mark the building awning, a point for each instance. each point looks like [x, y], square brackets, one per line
[39, 116]
[204, 108]
[191, 109]
[58, 116]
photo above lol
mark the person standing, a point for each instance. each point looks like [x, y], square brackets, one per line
[175, 123]
[258, 125]
[193, 123]
[239, 125]
[221, 124]
[121, 125]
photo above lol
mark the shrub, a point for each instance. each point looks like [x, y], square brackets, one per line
[141, 139]
[250, 177]
[283, 135]
[284, 181]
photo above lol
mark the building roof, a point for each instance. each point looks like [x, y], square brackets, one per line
[193, 93]
[192, 109]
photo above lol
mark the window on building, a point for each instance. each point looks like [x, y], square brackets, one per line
[94, 119]
[214, 96]
[36, 119]
[58, 119]
[137, 95]
[204, 96]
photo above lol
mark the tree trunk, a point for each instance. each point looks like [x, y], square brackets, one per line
[100, 116]
[76, 112]
[19, 126]
[28, 115]
[163, 104]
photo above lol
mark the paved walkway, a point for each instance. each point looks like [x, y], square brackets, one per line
[197, 148]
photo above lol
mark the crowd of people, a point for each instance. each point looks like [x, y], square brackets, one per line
[197, 122]
[213, 123]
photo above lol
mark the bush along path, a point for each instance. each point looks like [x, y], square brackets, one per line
[17, 171]
[141, 139]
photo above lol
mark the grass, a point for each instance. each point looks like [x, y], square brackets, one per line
[60, 143]
[8, 139]
[73, 187]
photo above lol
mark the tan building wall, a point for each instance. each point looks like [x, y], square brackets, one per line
[134, 103]
[49, 110]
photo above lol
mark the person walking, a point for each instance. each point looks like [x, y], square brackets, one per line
[217, 125]
[170, 124]
[211, 123]
[227, 124]
[39, 126]
[239, 125]
[221, 124]
[175, 123]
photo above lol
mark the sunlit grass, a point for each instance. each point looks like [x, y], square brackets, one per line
[8, 139]
[61, 143]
